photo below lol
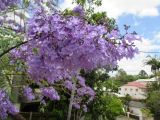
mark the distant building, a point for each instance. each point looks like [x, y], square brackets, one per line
[136, 89]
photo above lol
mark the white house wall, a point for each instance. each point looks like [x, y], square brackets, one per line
[134, 92]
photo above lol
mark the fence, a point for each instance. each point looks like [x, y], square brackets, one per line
[38, 116]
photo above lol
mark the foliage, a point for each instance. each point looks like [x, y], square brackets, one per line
[142, 74]
[57, 108]
[101, 18]
[7, 4]
[154, 86]
[153, 102]
[6, 106]
[105, 105]
[154, 63]
[146, 112]
[127, 99]
[90, 2]
[122, 77]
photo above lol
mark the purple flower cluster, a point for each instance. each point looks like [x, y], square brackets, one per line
[4, 4]
[50, 93]
[76, 105]
[6, 107]
[28, 93]
[59, 46]
[81, 81]
[68, 84]
[85, 91]
[79, 10]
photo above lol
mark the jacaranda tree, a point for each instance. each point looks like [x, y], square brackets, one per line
[58, 46]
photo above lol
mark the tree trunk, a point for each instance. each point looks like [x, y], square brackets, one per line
[71, 99]
[18, 117]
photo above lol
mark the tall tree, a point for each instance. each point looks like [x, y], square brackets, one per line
[123, 77]
[143, 74]
[105, 105]
[153, 102]
[154, 63]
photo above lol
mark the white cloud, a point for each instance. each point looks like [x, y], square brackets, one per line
[116, 8]
[67, 4]
[157, 36]
[133, 66]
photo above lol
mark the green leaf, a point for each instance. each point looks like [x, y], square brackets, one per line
[26, 3]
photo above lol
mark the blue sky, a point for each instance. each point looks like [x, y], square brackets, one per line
[144, 17]
[146, 26]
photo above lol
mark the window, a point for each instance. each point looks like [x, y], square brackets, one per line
[125, 89]
[119, 88]
[131, 89]
[143, 90]
[136, 90]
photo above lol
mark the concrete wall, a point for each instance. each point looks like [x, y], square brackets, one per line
[135, 110]
[134, 92]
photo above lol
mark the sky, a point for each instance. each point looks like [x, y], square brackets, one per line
[144, 17]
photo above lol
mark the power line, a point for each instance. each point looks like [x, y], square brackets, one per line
[148, 52]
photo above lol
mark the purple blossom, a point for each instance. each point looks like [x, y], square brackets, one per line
[28, 93]
[6, 106]
[130, 37]
[79, 10]
[59, 47]
[4, 4]
[81, 81]
[76, 105]
[115, 34]
[68, 84]
[85, 91]
[50, 93]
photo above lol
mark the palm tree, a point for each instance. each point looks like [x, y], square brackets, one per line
[142, 74]
[155, 65]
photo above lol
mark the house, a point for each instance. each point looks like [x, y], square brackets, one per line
[137, 90]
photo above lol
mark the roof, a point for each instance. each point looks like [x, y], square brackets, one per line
[146, 80]
[136, 84]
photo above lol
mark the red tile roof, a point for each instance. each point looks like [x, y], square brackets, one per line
[136, 84]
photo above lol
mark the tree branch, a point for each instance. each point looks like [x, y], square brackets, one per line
[8, 50]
